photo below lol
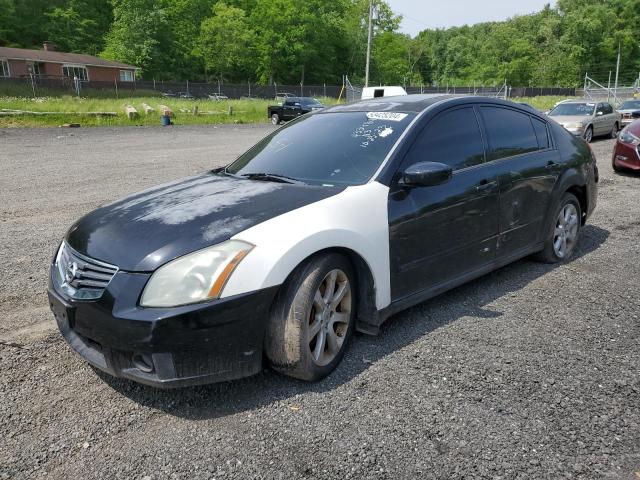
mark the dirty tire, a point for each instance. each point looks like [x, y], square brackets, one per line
[588, 134]
[615, 131]
[295, 316]
[549, 253]
[275, 119]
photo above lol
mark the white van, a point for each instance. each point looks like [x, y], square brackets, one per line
[377, 92]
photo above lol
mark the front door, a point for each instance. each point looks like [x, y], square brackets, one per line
[439, 233]
[527, 167]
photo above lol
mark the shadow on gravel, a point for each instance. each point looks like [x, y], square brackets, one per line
[268, 387]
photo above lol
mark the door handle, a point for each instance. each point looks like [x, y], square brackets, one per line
[486, 185]
[551, 164]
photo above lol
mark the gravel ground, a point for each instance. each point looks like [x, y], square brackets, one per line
[529, 372]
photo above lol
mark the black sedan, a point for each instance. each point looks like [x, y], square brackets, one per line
[328, 225]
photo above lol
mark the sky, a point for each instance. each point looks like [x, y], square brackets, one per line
[421, 14]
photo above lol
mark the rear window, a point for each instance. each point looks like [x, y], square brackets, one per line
[509, 132]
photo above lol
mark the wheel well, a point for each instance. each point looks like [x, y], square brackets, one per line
[366, 309]
[581, 194]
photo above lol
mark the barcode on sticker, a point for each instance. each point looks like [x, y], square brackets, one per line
[391, 116]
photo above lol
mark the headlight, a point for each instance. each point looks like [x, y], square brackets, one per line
[574, 126]
[196, 277]
[627, 137]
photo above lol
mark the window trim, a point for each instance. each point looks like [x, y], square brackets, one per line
[130, 72]
[76, 65]
[5, 61]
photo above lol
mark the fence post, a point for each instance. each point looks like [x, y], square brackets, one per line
[33, 87]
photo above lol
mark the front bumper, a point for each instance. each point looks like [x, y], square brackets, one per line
[165, 347]
[578, 132]
[626, 156]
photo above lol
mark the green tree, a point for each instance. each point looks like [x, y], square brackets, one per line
[79, 25]
[139, 35]
[225, 42]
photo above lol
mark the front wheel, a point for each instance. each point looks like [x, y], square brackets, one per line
[275, 119]
[615, 131]
[588, 134]
[312, 319]
[563, 231]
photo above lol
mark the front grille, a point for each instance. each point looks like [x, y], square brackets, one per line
[80, 276]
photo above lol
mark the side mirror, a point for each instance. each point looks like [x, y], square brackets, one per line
[426, 174]
[599, 114]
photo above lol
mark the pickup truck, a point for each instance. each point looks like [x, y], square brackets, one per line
[292, 108]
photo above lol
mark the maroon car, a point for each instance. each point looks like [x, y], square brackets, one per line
[626, 154]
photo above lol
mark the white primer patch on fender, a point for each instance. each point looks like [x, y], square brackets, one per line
[355, 219]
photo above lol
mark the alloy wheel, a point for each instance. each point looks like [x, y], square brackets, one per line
[588, 135]
[329, 317]
[566, 231]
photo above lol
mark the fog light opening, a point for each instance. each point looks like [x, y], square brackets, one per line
[143, 362]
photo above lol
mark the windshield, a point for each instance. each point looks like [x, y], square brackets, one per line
[573, 109]
[343, 148]
[308, 101]
[631, 105]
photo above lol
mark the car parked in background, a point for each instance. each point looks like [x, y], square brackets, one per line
[292, 108]
[330, 224]
[283, 96]
[218, 97]
[626, 153]
[186, 95]
[380, 92]
[588, 119]
[630, 111]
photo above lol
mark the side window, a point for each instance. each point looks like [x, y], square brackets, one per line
[509, 132]
[600, 108]
[608, 108]
[288, 103]
[452, 138]
[541, 133]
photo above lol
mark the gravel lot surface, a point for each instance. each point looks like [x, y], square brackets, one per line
[529, 372]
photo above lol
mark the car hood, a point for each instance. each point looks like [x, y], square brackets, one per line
[146, 230]
[564, 119]
[629, 110]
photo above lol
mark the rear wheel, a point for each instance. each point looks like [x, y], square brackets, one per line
[275, 119]
[563, 231]
[312, 319]
[588, 134]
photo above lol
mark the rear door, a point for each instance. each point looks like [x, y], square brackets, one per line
[521, 149]
[290, 110]
[441, 232]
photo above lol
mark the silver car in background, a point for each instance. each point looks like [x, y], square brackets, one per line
[588, 119]
[630, 111]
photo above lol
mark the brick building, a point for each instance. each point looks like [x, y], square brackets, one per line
[20, 63]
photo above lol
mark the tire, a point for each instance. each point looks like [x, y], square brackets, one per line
[275, 119]
[615, 131]
[568, 210]
[588, 134]
[291, 346]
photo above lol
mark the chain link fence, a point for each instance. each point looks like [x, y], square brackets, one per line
[41, 86]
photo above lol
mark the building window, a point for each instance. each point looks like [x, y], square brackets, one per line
[4, 69]
[126, 76]
[35, 68]
[75, 71]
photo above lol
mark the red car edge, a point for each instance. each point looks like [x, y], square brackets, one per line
[626, 154]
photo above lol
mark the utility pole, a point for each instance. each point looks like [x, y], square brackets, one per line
[366, 73]
[615, 90]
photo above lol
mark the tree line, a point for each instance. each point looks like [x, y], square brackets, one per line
[318, 41]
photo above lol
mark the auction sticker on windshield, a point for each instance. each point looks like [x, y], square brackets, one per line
[391, 116]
